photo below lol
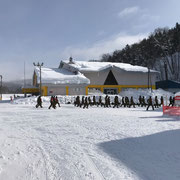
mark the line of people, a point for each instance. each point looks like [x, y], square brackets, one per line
[85, 102]
[53, 102]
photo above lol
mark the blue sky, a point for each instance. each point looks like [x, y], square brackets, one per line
[52, 30]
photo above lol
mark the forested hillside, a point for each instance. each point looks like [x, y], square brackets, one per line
[160, 51]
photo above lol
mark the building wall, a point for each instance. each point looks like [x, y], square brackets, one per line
[66, 90]
[56, 90]
[122, 77]
[77, 90]
[97, 77]
[133, 78]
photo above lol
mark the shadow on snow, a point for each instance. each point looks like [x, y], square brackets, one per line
[155, 156]
[164, 118]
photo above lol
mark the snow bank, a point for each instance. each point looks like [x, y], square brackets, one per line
[146, 93]
[177, 94]
[45, 99]
[8, 96]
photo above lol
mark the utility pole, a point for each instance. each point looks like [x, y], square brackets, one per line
[40, 84]
[1, 88]
[148, 77]
[24, 78]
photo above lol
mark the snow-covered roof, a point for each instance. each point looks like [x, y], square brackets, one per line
[99, 66]
[60, 76]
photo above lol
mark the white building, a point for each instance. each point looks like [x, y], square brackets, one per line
[78, 77]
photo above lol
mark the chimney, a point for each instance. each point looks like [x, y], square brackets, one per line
[70, 60]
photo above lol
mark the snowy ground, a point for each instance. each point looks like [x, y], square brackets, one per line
[95, 143]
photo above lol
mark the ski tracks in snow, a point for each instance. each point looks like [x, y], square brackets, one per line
[50, 157]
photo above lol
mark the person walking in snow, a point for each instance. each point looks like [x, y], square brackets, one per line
[57, 101]
[109, 101]
[116, 102]
[94, 100]
[52, 103]
[122, 102]
[150, 103]
[106, 101]
[100, 102]
[89, 100]
[140, 101]
[171, 101]
[131, 102]
[156, 104]
[143, 102]
[162, 100]
[86, 103]
[77, 101]
[82, 101]
[39, 102]
[126, 102]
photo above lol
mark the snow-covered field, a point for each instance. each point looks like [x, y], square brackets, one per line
[96, 143]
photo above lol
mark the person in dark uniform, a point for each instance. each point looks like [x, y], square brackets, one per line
[109, 101]
[52, 103]
[94, 100]
[86, 103]
[116, 102]
[143, 102]
[162, 100]
[126, 102]
[140, 101]
[106, 101]
[100, 102]
[122, 102]
[131, 102]
[77, 101]
[156, 104]
[89, 100]
[39, 102]
[82, 101]
[171, 101]
[57, 101]
[150, 103]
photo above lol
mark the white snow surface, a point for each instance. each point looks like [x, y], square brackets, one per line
[86, 144]
[98, 66]
[60, 76]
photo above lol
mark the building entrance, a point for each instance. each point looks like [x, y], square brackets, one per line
[110, 91]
